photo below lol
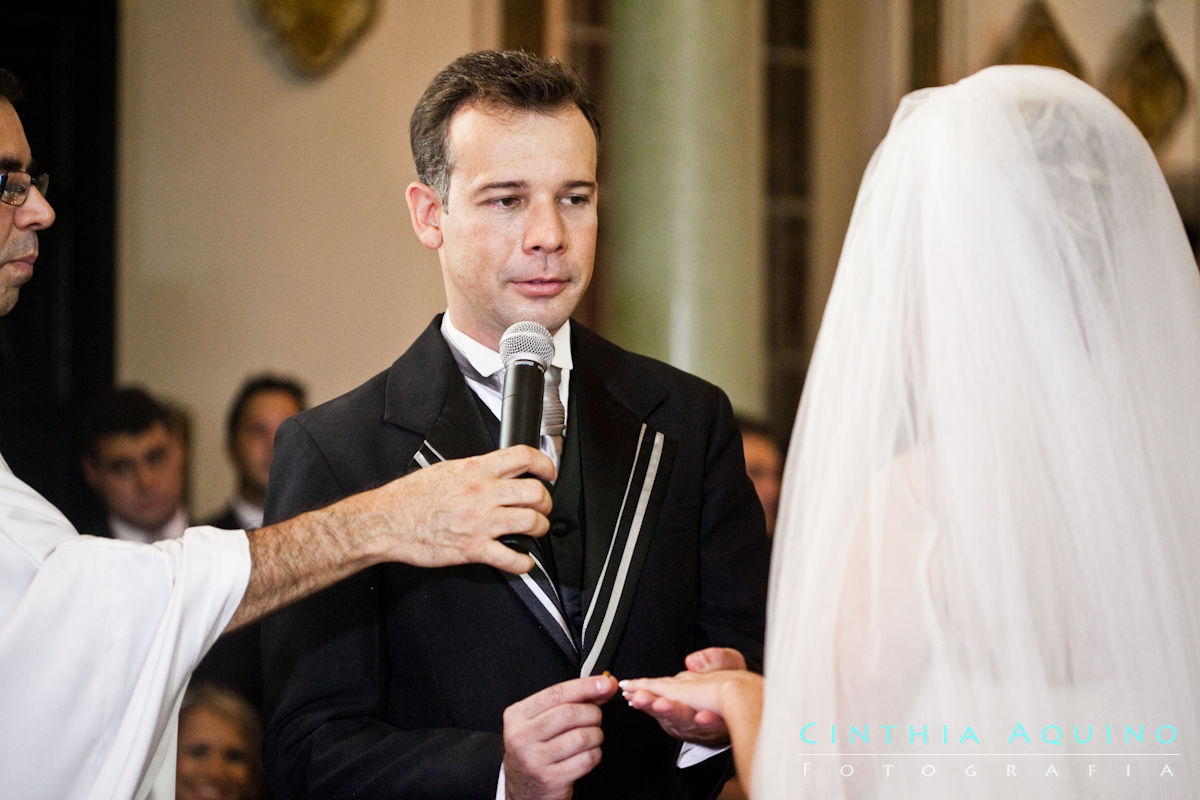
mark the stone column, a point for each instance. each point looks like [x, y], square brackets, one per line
[683, 192]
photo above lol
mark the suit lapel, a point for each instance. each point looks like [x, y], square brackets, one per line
[460, 430]
[626, 465]
[427, 394]
[538, 593]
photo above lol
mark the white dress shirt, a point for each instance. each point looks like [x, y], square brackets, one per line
[249, 516]
[490, 367]
[128, 532]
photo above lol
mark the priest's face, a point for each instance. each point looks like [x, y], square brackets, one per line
[19, 225]
[516, 234]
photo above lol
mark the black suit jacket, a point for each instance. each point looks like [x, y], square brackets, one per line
[393, 682]
[226, 520]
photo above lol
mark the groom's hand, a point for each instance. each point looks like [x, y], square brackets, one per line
[553, 738]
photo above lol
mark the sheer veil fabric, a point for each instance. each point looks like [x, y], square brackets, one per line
[990, 517]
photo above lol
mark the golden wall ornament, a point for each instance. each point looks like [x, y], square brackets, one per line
[317, 34]
[1145, 80]
[1038, 40]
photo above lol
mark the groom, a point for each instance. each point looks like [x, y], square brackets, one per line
[409, 682]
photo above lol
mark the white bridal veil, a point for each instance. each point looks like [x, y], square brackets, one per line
[984, 574]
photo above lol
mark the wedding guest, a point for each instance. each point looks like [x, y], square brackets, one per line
[220, 737]
[764, 465]
[262, 402]
[134, 459]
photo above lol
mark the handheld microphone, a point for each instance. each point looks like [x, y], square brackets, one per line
[526, 350]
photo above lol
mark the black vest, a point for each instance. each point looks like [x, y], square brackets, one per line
[561, 549]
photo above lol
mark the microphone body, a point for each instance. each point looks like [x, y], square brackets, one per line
[521, 412]
[526, 350]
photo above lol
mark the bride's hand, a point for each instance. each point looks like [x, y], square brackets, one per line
[730, 698]
[720, 692]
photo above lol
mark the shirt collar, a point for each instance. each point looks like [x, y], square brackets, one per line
[487, 361]
[131, 533]
[248, 514]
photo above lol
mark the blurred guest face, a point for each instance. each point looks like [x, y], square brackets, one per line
[139, 476]
[764, 465]
[517, 234]
[214, 758]
[18, 224]
[253, 442]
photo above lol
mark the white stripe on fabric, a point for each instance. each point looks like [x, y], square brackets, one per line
[612, 542]
[630, 545]
[424, 460]
[545, 600]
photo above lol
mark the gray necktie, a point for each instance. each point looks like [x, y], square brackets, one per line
[554, 416]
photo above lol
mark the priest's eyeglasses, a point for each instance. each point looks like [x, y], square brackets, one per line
[14, 186]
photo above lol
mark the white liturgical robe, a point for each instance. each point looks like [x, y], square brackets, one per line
[98, 638]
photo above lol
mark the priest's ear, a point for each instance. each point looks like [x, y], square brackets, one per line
[425, 208]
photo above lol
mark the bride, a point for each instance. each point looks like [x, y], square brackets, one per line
[984, 567]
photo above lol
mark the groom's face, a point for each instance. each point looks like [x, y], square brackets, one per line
[519, 222]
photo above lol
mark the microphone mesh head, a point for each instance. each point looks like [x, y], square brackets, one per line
[527, 341]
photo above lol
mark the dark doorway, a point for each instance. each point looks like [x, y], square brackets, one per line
[56, 346]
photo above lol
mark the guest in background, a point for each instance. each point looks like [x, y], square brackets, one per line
[764, 465]
[220, 739]
[262, 403]
[134, 459]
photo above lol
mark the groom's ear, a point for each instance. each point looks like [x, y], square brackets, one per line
[425, 209]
